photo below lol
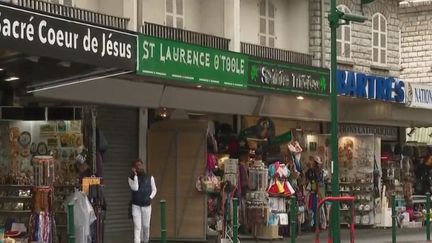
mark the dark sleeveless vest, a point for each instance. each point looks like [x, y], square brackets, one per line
[142, 196]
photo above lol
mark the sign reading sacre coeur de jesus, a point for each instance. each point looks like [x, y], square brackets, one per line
[49, 36]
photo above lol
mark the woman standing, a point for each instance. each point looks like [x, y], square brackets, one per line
[143, 191]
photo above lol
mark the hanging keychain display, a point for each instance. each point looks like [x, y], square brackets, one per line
[93, 180]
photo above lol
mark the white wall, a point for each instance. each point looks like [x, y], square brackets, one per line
[192, 15]
[293, 26]
[291, 23]
[89, 5]
[212, 17]
[249, 21]
[153, 11]
[111, 7]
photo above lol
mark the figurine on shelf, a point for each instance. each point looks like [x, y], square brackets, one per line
[279, 185]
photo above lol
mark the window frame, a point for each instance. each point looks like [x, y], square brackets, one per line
[343, 29]
[266, 34]
[174, 14]
[380, 34]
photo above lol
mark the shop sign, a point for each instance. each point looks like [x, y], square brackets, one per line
[43, 35]
[190, 63]
[386, 133]
[419, 96]
[288, 78]
[373, 87]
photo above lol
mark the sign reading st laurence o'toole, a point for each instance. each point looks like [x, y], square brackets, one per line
[42, 35]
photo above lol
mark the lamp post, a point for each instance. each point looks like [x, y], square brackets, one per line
[335, 18]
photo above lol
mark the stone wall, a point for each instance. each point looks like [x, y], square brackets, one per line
[416, 46]
[361, 42]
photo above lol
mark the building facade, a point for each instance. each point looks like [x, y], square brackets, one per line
[371, 47]
[416, 53]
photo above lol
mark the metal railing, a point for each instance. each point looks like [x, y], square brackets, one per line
[187, 36]
[276, 54]
[74, 13]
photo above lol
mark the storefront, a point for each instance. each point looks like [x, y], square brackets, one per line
[42, 52]
[397, 162]
[242, 89]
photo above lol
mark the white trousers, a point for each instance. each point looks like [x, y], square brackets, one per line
[141, 218]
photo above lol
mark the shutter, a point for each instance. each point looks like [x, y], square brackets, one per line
[120, 127]
[176, 157]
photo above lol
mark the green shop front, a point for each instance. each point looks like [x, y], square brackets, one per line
[209, 93]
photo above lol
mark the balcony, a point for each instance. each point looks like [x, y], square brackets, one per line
[187, 36]
[276, 54]
[74, 13]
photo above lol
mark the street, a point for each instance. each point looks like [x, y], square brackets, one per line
[364, 236]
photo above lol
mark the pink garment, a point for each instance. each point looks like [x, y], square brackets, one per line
[211, 162]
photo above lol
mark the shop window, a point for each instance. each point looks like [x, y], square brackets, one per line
[344, 36]
[174, 13]
[379, 39]
[267, 35]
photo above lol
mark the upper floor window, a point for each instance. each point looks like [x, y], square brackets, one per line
[379, 39]
[267, 34]
[174, 13]
[344, 36]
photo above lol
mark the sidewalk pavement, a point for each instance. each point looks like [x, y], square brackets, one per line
[362, 236]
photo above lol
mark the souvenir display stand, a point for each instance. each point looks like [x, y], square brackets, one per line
[360, 166]
[257, 209]
[42, 222]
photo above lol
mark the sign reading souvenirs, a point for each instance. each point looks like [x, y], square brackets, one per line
[419, 96]
[43, 35]
[288, 78]
[369, 86]
[191, 63]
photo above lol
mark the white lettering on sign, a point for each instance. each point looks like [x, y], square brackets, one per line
[178, 54]
[102, 45]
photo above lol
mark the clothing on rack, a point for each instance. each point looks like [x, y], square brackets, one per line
[84, 216]
[97, 200]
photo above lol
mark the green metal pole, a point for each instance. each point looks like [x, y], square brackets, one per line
[394, 219]
[70, 223]
[335, 217]
[428, 216]
[163, 221]
[235, 220]
[293, 216]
